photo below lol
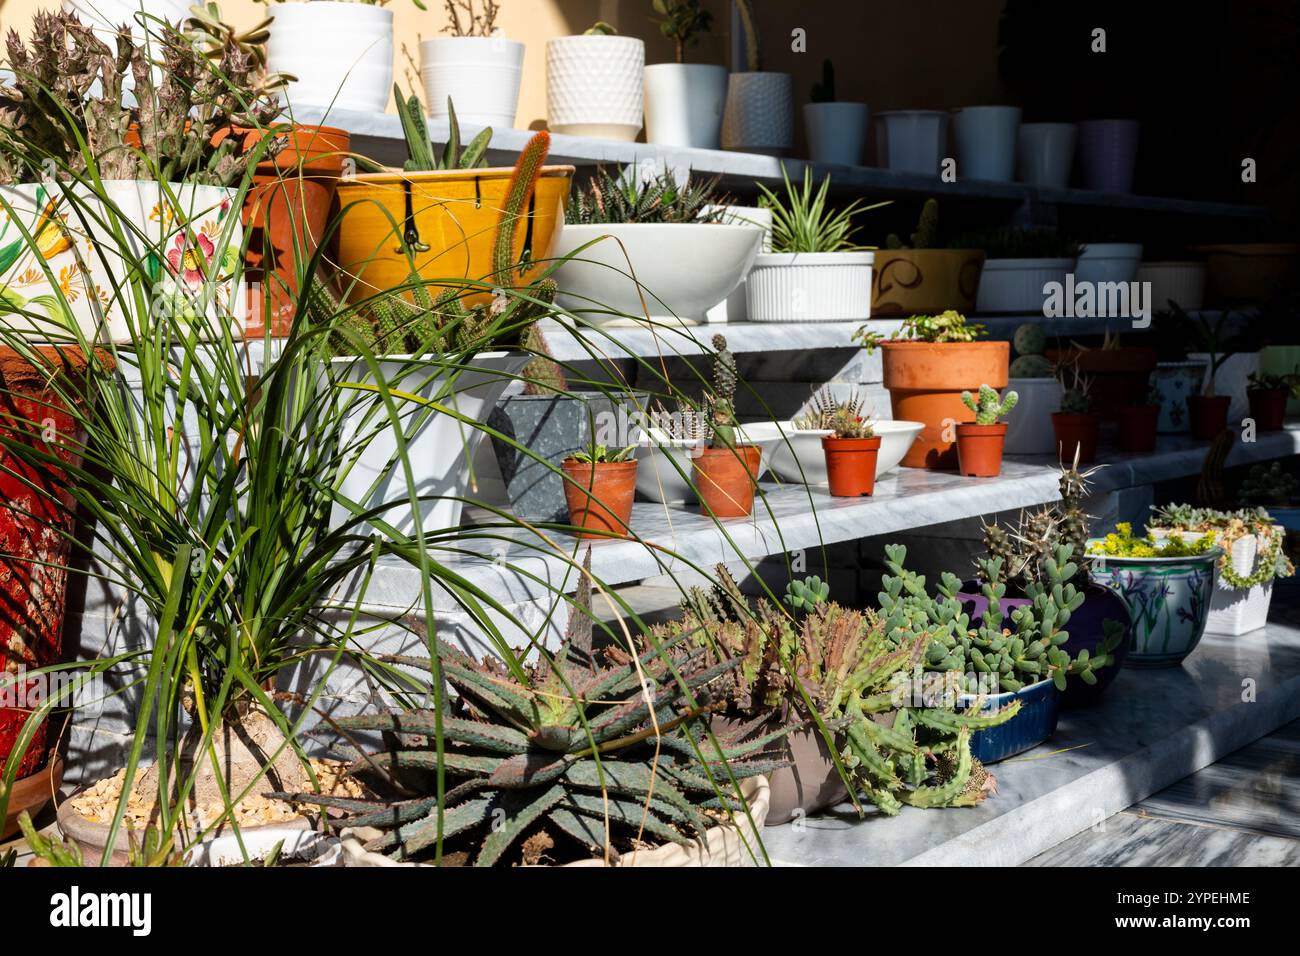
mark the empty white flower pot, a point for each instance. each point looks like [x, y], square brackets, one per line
[480, 74]
[1045, 153]
[986, 142]
[810, 287]
[684, 104]
[1180, 282]
[759, 115]
[593, 86]
[1029, 424]
[1109, 262]
[837, 132]
[911, 141]
[340, 53]
[1011, 286]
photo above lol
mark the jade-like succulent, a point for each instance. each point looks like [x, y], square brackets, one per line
[807, 594]
[988, 406]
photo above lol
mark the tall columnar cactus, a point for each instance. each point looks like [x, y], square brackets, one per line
[749, 23]
[722, 403]
[1035, 536]
[926, 235]
[542, 375]
[506, 263]
[987, 406]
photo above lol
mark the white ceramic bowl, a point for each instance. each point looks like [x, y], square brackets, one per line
[797, 456]
[683, 269]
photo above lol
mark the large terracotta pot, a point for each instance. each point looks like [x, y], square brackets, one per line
[1119, 377]
[925, 281]
[925, 382]
[450, 219]
[726, 479]
[600, 496]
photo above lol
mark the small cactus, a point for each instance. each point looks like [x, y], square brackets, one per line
[722, 403]
[1030, 339]
[988, 406]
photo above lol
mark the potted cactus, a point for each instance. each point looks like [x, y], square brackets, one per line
[979, 443]
[851, 448]
[600, 484]
[726, 474]
[920, 276]
[837, 131]
[1120, 374]
[1029, 430]
[1077, 427]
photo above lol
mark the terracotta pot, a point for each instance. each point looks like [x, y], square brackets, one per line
[1268, 408]
[1137, 427]
[1076, 431]
[1119, 377]
[851, 465]
[600, 496]
[1209, 415]
[925, 281]
[32, 793]
[1249, 272]
[979, 449]
[726, 479]
[925, 383]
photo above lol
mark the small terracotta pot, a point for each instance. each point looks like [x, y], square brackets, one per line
[1120, 377]
[851, 465]
[1137, 427]
[32, 793]
[979, 449]
[600, 496]
[1209, 415]
[1076, 431]
[925, 382]
[1268, 408]
[726, 479]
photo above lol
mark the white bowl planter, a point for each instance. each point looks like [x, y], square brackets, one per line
[480, 74]
[1109, 262]
[593, 86]
[1029, 424]
[837, 132]
[683, 269]
[296, 846]
[809, 287]
[986, 142]
[1009, 286]
[735, 307]
[759, 115]
[1045, 153]
[664, 472]
[911, 141]
[1174, 382]
[340, 53]
[439, 447]
[684, 104]
[796, 454]
[1231, 379]
[1180, 282]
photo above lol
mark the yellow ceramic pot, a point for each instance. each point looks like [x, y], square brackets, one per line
[441, 223]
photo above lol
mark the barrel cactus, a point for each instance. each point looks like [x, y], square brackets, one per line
[1030, 342]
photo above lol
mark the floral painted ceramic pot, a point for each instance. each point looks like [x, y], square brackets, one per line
[1174, 382]
[1168, 601]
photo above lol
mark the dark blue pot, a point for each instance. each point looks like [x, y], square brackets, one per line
[1040, 706]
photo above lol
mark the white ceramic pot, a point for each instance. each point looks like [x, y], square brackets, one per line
[593, 86]
[1174, 382]
[1045, 153]
[1109, 262]
[1235, 611]
[911, 141]
[810, 287]
[296, 846]
[1231, 379]
[340, 53]
[480, 74]
[439, 446]
[986, 142]
[1029, 424]
[796, 455]
[759, 114]
[683, 270]
[735, 307]
[837, 132]
[684, 104]
[1012, 286]
[664, 470]
[1180, 282]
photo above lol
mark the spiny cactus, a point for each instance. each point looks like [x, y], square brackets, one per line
[722, 401]
[847, 417]
[988, 407]
[506, 263]
[926, 235]
[542, 375]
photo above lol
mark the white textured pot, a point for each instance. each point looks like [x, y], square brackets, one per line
[1180, 282]
[837, 132]
[1109, 262]
[1231, 379]
[480, 74]
[296, 846]
[1045, 153]
[684, 104]
[911, 141]
[1011, 286]
[593, 86]
[810, 287]
[796, 455]
[439, 447]
[683, 270]
[1029, 424]
[759, 115]
[986, 142]
[340, 53]
[1174, 382]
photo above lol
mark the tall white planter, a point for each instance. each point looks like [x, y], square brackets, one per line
[1045, 153]
[341, 54]
[480, 74]
[810, 287]
[1231, 379]
[986, 142]
[759, 115]
[1029, 424]
[911, 141]
[1109, 262]
[837, 132]
[684, 104]
[593, 86]
[1010, 286]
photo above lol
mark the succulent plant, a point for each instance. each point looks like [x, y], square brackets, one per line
[681, 21]
[846, 418]
[1030, 342]
[631, 198]
[1269, 485]
[949, 326]
[419, 148]
[721, 402]
[988, 406]
[1023, 548]
[1229, 527]
[926, 235]
[803, 219]
[807, 594]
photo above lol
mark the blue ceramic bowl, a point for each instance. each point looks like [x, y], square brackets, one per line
[1040, 706]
